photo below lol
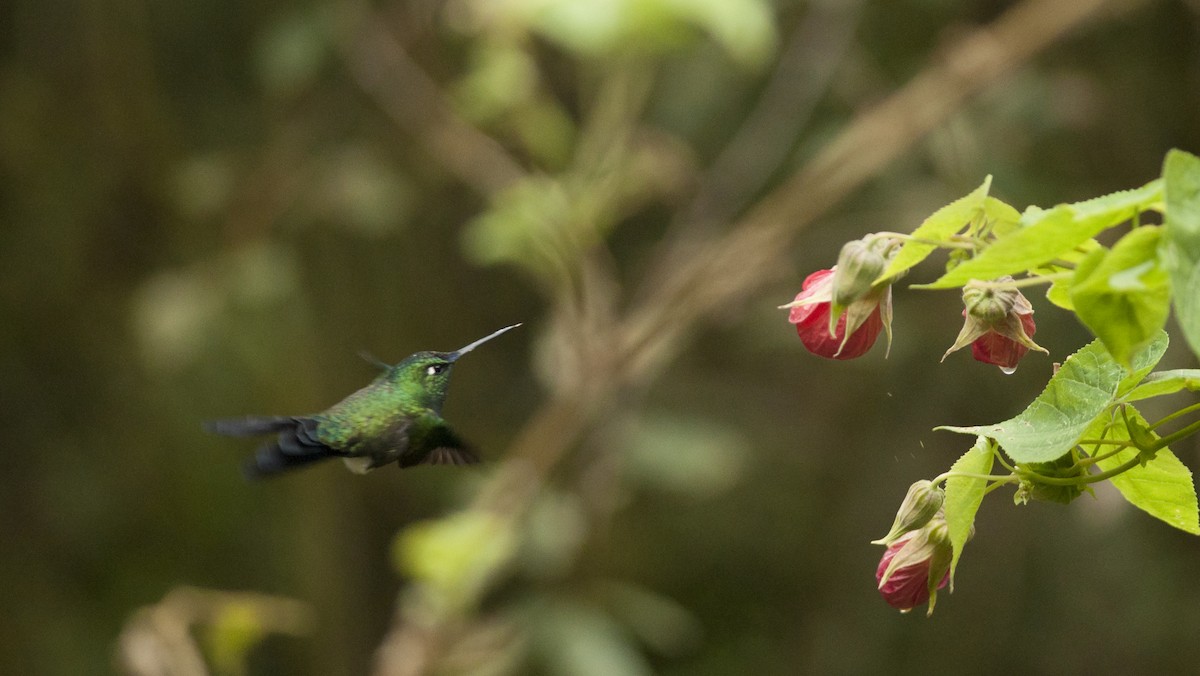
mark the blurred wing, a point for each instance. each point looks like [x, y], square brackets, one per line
[444, 455]
[448, 449]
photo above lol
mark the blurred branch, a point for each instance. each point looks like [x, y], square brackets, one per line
[385, 72]
[159, 641]
[703, 279]
[764, 139]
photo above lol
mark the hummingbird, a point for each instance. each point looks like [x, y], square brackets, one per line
[397, 418]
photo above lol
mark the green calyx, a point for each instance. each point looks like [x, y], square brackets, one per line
[859, 264]
[920, 505]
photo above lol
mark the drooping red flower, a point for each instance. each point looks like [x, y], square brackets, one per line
[906, 570]
[810, 313]
[998, 349]
[999, 324]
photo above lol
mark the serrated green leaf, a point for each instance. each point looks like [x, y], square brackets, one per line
[1162, 487]
[1002, 217]
[1166, 382]
[1144, 362]
[944, 222]
[964, 494]
[1045, 235]
[1123, 295]
[1083, 388]
[1180, 249]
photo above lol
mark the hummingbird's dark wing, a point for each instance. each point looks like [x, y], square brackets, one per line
[446, 449]
[295, 446]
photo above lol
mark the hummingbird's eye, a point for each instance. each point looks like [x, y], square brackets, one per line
[434, 369]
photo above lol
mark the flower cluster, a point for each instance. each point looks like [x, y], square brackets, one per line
[840, 311]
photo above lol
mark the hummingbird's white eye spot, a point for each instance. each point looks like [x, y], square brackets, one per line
[434, 369]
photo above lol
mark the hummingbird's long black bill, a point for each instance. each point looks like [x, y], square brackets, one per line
[461, 351]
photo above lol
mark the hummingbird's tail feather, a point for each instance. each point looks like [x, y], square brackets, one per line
[250, 426]
[295, 446]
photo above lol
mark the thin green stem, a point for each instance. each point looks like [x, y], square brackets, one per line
[1106, 442]
[994, 486]
[1176, 436]
[1176, 414]
[1089, 461]
[1026, 282]
[1088, 479]
[1062, 263]
[932, 242]
[999, 457]
[1000, 478]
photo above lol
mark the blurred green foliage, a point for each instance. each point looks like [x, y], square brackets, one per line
[203, 213]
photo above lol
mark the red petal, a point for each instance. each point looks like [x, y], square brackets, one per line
[993, 348]
[812, 324]
[908, 587]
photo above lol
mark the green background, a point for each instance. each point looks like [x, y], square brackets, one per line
[202, 214]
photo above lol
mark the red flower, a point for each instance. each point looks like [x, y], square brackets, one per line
[906, 572]
[810, 313]
[999, 324]
[998, 349]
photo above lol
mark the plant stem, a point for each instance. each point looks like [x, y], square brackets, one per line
[1088, 479]
[1089, 461]
[1026, 282]
[1176, 414]
[998, 478]
[1176, 436]
[932, 242]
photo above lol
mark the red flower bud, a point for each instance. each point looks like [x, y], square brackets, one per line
[994, 348]
[999, 324]
[810, 312]
[914, 567]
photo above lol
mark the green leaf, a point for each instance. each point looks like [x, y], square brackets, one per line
[1059, 292]
[456, 555]
[1166, 382]
[944, 222]
[656, 446]
[235, 629]
[1124, 295]
[1083, 388]
[1060, 295]
[1162, 487]
[527, 224]
[1180, 248]
[1045, 235]
[964, 495]
[1002, 218]
[1144, 362]
[578, 638]
[745, 29]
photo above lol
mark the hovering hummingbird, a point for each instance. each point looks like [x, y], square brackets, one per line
[397, 418]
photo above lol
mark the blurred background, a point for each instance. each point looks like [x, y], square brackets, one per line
[207, 209]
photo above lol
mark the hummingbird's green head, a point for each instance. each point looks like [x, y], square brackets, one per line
[426, 375]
